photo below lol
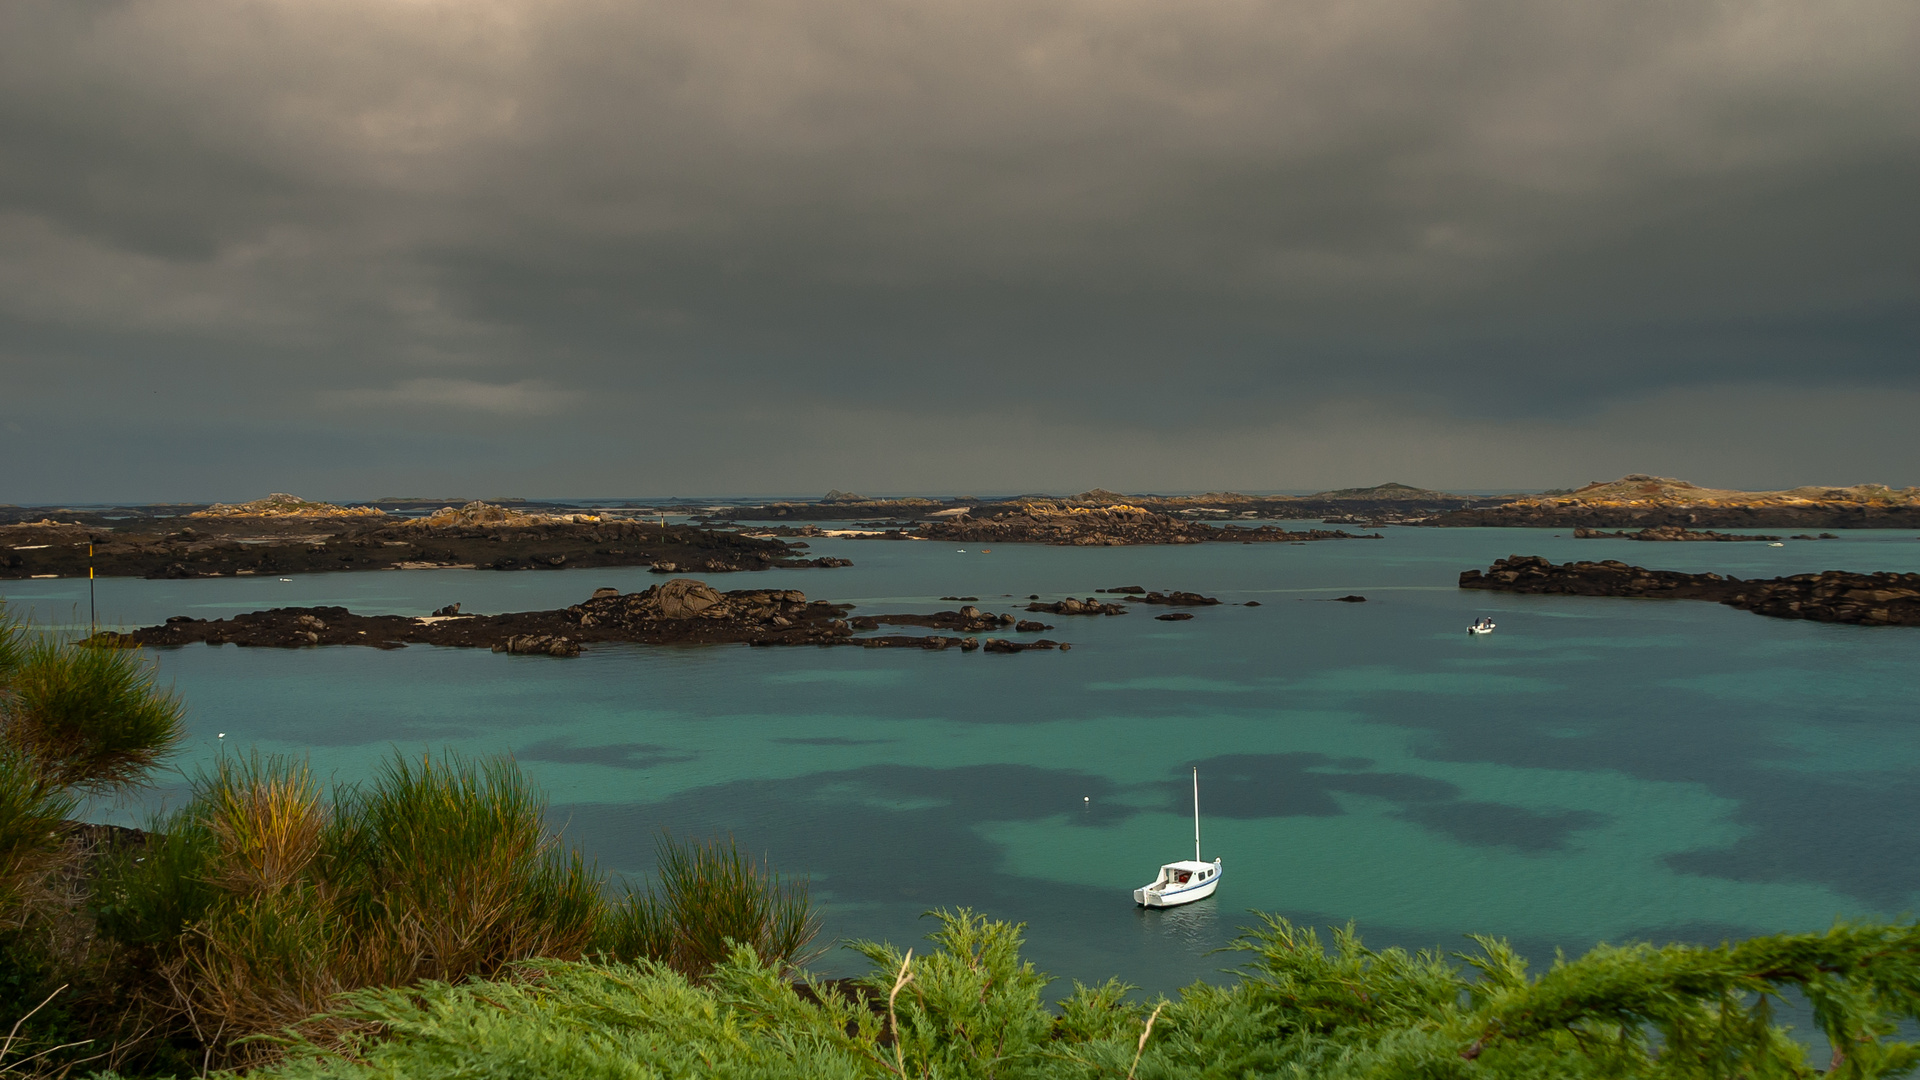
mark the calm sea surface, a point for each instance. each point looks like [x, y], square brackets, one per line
[1595, 770]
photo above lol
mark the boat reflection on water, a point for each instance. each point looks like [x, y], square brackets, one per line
[1195, 926]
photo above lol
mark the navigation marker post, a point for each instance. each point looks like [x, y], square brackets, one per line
[93, 620]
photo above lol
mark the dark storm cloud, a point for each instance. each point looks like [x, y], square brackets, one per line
[746, 246]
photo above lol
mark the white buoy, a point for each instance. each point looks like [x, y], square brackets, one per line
[1086, 798]
[223, 734]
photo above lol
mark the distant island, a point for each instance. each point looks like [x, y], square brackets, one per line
[284, 533]
[1641, 501]
[1637, 501]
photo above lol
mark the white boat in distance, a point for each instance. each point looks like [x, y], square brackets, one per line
[1183, 882]
[1481, 626]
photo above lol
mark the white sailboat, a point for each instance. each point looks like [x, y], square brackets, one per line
[1183, 882]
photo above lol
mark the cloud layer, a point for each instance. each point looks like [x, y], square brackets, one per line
[654, 248]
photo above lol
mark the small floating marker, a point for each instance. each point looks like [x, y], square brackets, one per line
[223, 734]
[1086, 798]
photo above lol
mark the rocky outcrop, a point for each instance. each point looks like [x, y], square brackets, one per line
[1174, 616]
[1178, 599]
[483, 513]
[1117, 525]
[677, 612]
[1003, 645]
[1882, 599]
[836, 506]
[1070, 606]
[239, 546]
[1640, 500]
[1393, 502]
[282, 505]
[1671, 533]
[539, 645]
[967, 620]
[932, 642]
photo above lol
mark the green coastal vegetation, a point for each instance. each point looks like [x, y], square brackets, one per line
[427, 923]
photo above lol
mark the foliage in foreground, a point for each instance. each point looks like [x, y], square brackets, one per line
[711, 899]
[262, 901]
[973, 1009]
[75, 720]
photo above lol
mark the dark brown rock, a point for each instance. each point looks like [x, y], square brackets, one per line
[1003, 645]
[1881, 599]
[225, 546]
[1178, 599]
[1070, 606]
[1117, 525]
[681, 611]
[1670, 533]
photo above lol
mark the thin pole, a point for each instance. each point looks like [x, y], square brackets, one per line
[93, 619]
[1196, 813]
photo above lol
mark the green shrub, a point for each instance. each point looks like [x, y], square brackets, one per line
[91, 716]
[262, 900]
[971, 1009]
[711, 899]
[455, 861]
[74, 719]
[31, 812]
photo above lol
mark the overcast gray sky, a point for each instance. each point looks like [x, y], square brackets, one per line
[353, 248]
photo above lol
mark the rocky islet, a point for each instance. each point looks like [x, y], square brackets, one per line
[683, 611]
[477, 536]
[1837, 596]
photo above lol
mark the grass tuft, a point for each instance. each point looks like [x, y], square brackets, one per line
[91, 716]
[713, 898]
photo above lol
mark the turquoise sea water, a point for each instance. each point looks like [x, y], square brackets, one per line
[1595, 770]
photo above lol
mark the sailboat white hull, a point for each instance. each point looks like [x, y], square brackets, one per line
[1148, 897]
[1182, 882]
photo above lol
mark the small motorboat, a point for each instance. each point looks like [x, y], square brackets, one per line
[1776, 543]
[1183, 882]
[1480, 626]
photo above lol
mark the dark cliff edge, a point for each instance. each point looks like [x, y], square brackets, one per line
[1838, 596]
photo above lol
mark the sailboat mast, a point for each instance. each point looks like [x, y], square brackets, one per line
[1196, 813]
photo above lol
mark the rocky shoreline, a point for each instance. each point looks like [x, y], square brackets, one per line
[1640, 501]
[1668, 533]
[1119, 525]
[683, 611]
[241, 546]
[1676, 533]
[1837, 596]
[1384, 502]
